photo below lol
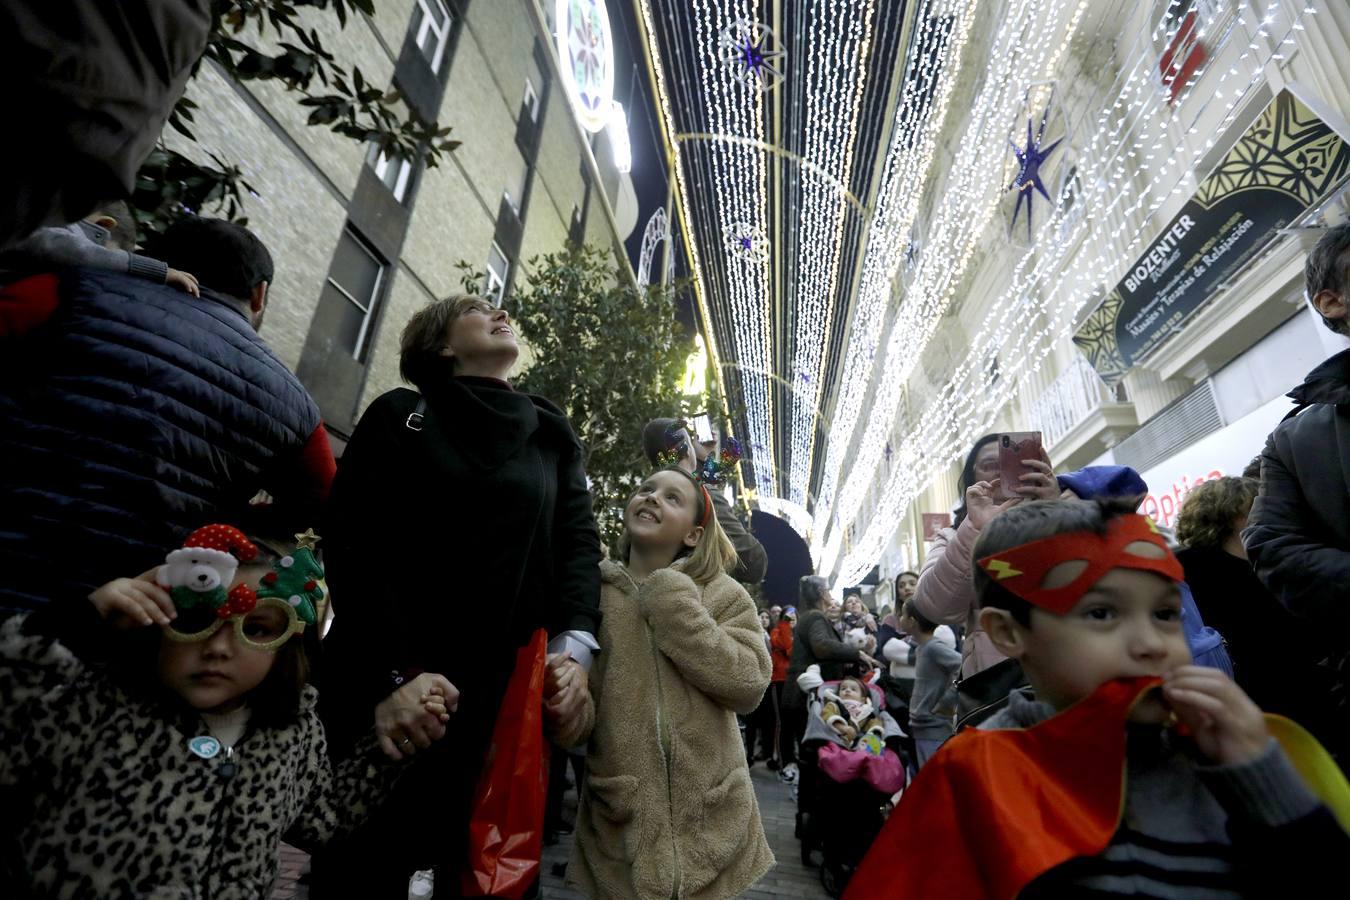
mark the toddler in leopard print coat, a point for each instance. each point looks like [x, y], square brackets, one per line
[175, 767]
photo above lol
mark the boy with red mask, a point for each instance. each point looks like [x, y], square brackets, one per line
[1133, 771]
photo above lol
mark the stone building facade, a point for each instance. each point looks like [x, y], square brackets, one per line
[361, 242]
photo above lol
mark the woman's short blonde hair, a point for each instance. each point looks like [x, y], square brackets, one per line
[1211, 510]
[713, 555]
[425, 335]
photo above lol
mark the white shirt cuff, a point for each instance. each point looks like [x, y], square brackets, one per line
[580, 645]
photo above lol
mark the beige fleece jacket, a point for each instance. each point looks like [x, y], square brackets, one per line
[668, 810]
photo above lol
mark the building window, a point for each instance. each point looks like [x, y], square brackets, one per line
[394, 172]
[530, 103]
[356, 276]
[516, 174]
[431, 30]
[497, 267]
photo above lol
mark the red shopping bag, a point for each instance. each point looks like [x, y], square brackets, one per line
[507, 828]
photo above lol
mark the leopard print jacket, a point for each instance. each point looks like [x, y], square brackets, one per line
[114, 804]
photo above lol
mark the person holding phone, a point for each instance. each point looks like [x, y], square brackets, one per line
[945, 593]
[664, 435]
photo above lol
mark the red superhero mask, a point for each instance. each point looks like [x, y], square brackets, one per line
[1022, 570]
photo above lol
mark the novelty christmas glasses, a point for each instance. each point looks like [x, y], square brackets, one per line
[264, 618]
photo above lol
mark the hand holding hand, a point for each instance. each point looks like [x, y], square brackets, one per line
[1225, 724]
[134, 602]
[435, 702]
[566, 689]
[981, 507]
[405, 721]
[185, 281]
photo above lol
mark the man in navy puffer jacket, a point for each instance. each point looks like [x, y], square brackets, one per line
[132, 413]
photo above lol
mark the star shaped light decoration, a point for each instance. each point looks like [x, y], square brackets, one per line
[749, 50]
[1030, 158]
[748, 242]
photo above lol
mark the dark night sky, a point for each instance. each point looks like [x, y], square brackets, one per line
[632, 88]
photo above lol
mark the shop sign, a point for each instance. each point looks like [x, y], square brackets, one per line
[1281, 166]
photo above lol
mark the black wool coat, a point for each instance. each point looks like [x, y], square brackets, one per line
[1298, 534]
[445, 549]
[1275, 653]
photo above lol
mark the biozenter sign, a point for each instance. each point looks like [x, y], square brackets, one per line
[1283, 164]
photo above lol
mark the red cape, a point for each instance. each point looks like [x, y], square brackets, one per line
[993, 810]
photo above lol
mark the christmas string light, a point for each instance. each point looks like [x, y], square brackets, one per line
[835, 79]
[969, 198]
[918, 122]
[1068, 277]
[739, 173]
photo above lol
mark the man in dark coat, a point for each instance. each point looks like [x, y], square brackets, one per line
[661, 435]
[1298, 535]
[132, 413]
[88, 88]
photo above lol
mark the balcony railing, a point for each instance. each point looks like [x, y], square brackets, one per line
[1071, 398]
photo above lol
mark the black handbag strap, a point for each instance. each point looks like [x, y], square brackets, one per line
[414, 420]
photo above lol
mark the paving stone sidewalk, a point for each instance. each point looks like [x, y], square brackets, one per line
[788, 878]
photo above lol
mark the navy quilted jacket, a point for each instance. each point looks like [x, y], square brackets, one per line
[132, 415]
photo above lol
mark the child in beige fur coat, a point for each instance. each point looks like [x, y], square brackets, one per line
[668, 809]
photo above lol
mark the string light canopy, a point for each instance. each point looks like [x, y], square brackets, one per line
[837, 219]
[1132, 166]
[778, 115]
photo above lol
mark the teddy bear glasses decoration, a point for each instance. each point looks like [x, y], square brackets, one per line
[264, 618]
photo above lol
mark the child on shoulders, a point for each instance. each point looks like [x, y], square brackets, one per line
[105, 239]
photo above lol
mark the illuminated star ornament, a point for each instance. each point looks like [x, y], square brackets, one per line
[748, 50]
[1030, 159]
[748, 242]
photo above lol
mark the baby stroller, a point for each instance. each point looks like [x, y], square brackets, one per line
[842, 793]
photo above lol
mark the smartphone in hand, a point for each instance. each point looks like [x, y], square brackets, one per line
[703, 430]
[1014, 449]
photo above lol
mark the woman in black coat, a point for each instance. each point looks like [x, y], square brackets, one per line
[814, 642]
[1274, 652]
[460, 523]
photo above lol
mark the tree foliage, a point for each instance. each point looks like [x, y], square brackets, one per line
[611, 355]
[339, 98]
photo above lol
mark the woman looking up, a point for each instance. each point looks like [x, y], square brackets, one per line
[484, 487]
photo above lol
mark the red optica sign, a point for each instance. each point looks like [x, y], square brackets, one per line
[1164, 507]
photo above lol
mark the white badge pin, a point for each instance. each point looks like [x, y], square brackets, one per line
[205, 747]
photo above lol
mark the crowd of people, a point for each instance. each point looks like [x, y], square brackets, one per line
[216, 638]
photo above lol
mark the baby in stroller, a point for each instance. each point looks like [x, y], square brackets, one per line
[851, 766]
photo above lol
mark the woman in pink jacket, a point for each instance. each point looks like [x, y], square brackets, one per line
[945, 593]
